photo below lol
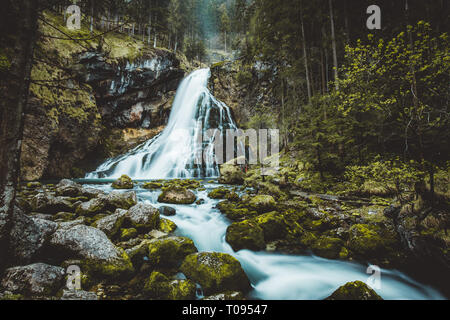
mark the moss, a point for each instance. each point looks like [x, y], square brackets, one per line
[182, 290]
[245, 235]
[273, 226]
[64, 216]
[124, 182]
[12, 297]
[215, 272]
[167, 226]
[152, 185]
[369, 241]
[356, 290]
[115, 270]
[157, 286]
[169, 252]
[262, 203]
[127, 234]
[176, 195]
[219, 193]
[329, 248]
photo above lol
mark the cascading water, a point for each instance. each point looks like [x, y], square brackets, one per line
[274, 276]
[174, 152]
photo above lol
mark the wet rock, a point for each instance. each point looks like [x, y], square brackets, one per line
[152, 185]
[177, 195]
[92, 207]
[329, 248]
[37, 279]
[100, 255]
[111, 224]
[120, 200]
[167, 211]
[215, 272]
[356, 290]
[46, 203]
[219, 193]
[127, 234]
[28, 237]
[167, 226]
[68, 188]
[78, 295]
[245, 235]
[170, 252]
[226, 296]
[124, 182]
[143, 216]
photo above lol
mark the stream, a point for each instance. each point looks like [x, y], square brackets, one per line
[277, 276]
[173, 154]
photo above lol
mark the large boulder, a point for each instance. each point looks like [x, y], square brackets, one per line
[37, 279]
[371, 242]
[124, 182]
[170, 252]
[111, 224]
[216, 272]
[177, 195]
[91, 245]
[68, 188]
[231, 173]
[262, 203]
[46, 203]
[119, 199]
[356, 290]
[28, 237]
[245, 235]
[143, 216]
[91, 207]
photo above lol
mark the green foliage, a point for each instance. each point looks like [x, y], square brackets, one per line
[392, 176]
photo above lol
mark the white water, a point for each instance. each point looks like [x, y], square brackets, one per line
[277, 276]
[172, 154]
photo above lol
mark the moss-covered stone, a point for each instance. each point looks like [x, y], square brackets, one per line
[167, 226]
[262, 203]
[230, 173]
[245, 235]
[177, 195]
[160, 287]
[356, 290]
[127, 234]
[273, 225]
[219, 193]
[124, 182]
[369, 241]
[108, 270]
[169, 252]
[329, 248]
[152, 185]
[216, 272]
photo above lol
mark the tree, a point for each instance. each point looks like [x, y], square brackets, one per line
[21, 20]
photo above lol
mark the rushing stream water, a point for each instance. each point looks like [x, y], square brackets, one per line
[171, 155]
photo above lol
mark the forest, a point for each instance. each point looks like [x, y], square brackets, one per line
[94, 173]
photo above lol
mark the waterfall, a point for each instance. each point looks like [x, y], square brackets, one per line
[173, 153]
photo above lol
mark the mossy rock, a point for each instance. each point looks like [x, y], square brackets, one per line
[246, 235]
[356, 290]
[327, 247]
[169, 252]
[160, 287]
[262, 203]
[216, 272]
[152, 185]
[219, 193]
[232, 196]
[231, 173]
[167, 226]
[177, 195]
[127, 234]
[91, 207]
[369, 241]
[235, 211]
[119, 269]
[124, 182]
[273, 225]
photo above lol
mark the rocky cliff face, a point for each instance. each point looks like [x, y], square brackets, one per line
[88, 105]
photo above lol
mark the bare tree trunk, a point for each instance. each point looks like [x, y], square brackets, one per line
[305, 55]
[22, 19]
[333, 40]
